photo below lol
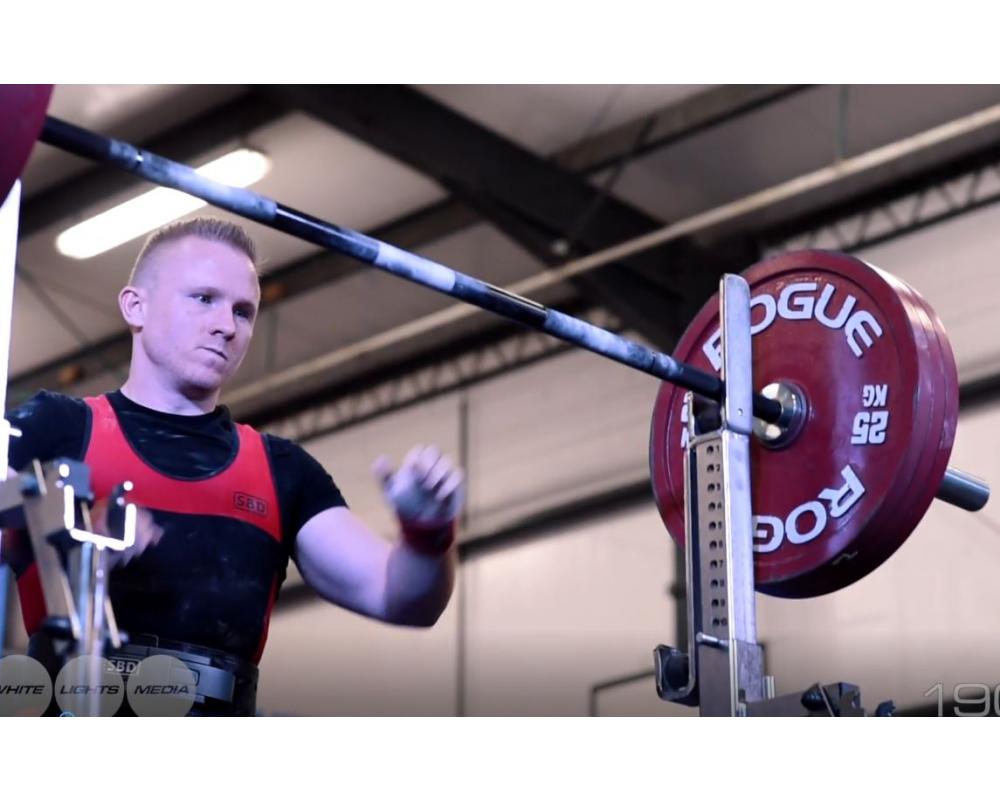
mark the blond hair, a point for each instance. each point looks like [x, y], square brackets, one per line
[211, 228]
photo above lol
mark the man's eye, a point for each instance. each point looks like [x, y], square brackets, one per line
[203, 298]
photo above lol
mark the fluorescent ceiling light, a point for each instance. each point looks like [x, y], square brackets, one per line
[157, 207]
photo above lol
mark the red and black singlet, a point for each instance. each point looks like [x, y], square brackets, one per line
[213, 578]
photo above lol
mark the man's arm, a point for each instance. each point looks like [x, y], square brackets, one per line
[349, 564]
[408, 583]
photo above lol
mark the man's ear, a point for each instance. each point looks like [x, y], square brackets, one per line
[132, 301]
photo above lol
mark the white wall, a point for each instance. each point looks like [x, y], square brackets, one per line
[556, 431]
[547, 619]
[551, 433]
[928, 615]
[322, 660]
[544, 623]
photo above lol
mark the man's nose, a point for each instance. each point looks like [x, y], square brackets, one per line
[224, 324]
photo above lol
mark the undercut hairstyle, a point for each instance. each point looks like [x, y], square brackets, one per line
[215, 230]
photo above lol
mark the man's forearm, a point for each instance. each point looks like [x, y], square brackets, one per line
[418, 586]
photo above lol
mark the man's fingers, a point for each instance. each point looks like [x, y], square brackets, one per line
[425, 462]
[99, 517]
[148, 531]
[382, 469]
[450, 485]
[438, 474]
[413, 456]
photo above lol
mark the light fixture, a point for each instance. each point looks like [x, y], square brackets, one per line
[157, 207]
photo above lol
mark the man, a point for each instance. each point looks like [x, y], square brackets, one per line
[227, 506]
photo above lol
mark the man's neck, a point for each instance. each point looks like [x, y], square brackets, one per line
[171, 402]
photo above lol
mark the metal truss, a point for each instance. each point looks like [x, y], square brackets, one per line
[880, 222]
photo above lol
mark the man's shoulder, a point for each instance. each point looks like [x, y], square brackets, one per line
[280, 447]
[48, 404]
[52, 425]
[290, 458]
[304, 484]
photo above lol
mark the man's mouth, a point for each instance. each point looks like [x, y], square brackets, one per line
[219, 353]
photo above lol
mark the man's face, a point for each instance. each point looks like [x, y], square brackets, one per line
[202, 299]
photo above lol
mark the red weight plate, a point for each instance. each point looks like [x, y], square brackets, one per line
[22, 114]
[946, 433]
[941, 434]
[904, 511]
[829, 506]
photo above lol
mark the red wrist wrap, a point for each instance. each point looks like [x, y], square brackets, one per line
[431, 541]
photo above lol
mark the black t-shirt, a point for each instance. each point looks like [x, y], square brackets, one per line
[187, 447]
[208, 581]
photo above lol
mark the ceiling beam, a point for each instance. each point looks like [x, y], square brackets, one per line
[674, 123]
[552, 212]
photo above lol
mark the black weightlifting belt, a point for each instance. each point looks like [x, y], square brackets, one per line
[225, 685]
